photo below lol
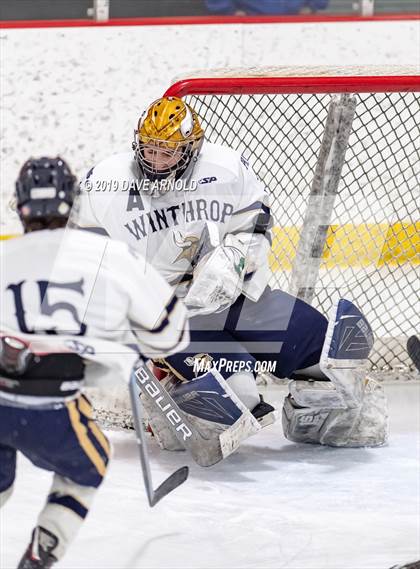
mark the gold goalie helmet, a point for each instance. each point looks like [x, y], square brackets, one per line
[168, 140]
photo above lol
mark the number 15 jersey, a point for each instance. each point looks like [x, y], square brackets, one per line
[72, 282]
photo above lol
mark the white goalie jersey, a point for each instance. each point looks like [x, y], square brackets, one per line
[166, 228]
[73, 284]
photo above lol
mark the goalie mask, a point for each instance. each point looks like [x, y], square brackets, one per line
[168, 140]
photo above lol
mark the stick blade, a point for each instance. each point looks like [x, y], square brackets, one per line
[171, 483]
[413, 349]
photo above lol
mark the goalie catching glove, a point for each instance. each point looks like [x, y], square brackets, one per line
[218, 278]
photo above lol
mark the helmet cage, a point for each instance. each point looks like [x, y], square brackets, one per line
[162, 160]
[168, 140]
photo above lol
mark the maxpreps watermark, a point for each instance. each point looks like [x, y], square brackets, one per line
[145, 186]
[203, 363]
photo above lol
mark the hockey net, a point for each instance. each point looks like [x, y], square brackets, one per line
[339, 151]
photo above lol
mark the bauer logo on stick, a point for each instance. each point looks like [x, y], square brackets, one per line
[165, 406]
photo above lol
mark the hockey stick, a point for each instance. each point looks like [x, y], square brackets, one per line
[413, 349]
[176, 478]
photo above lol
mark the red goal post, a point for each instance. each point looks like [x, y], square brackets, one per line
[289, 84]
[339, 151]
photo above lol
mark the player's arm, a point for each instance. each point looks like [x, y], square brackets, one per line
[240, 262]
[158, 318]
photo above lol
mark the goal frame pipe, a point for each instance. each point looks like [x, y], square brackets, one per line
[294, 85]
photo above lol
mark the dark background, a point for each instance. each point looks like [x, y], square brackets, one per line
[62, 9]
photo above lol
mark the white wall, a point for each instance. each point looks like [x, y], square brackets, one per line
[79, 91]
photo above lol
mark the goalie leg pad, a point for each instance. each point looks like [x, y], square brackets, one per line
[162, 431]
[205, 414]
[318, 394]
[366, 425]
[243, 384]
[302, 424]
[217, 415]
[347, 345]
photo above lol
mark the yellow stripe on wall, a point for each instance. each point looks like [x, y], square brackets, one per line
[82, 437]
[353, 245]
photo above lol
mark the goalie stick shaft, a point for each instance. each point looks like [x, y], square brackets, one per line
[176, 478]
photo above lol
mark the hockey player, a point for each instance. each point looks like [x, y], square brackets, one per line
[70, 300]
[199, 213]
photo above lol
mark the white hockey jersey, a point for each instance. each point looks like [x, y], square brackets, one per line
[85, 287]
[166, 228]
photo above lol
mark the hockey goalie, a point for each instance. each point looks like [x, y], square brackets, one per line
[199, 214]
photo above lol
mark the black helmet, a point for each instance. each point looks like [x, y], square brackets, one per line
[45, 191]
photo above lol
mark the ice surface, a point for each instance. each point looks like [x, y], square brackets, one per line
[273, 504]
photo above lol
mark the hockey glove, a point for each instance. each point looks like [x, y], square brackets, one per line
[218, 279]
